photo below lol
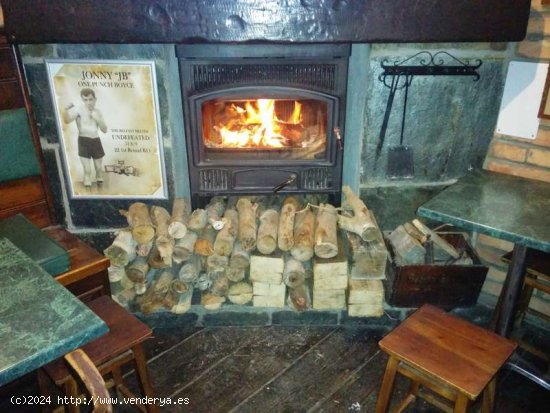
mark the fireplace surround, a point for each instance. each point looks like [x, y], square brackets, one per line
[169, 22]
[264, 118]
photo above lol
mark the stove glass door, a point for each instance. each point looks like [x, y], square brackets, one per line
[291, 129]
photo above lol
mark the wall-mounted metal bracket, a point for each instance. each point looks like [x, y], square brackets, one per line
[399, 75]
[427, 64]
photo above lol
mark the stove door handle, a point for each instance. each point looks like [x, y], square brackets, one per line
[291, 179]
[338, 138]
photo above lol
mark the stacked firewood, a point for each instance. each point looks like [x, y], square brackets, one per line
[271, 251]
[414, 243]
[367, 258]
[365, 298]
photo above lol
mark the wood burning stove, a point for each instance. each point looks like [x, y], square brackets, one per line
[264, 118]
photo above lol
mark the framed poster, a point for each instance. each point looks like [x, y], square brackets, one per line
[109, 128]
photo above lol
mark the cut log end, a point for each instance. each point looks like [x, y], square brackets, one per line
[115, 273]
[240, 293]
[212, 301]
[294, 273]
[177, 230]
[235, 274]
[143, 234]
[140, 288]
[218, 225]
[266, 245]
[117, 256]
[369, 234]
[326, 250]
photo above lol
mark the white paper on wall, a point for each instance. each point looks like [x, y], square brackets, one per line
[518, 115]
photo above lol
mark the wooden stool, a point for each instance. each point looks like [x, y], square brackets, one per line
[537, 277]
[121, 345]
[445, 354]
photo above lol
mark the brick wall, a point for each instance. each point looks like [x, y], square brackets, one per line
[520, 157]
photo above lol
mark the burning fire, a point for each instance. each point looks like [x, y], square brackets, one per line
[257, 125]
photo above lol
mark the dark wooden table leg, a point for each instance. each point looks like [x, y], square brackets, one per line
[511, 291]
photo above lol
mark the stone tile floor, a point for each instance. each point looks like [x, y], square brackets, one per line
[283, 369]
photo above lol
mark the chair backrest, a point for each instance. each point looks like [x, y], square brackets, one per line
[83, 367]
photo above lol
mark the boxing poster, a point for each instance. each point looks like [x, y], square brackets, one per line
[108, 121]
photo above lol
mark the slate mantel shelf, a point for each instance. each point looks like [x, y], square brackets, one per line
[296, 21]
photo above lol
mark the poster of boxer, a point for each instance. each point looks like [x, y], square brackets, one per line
[108, 121]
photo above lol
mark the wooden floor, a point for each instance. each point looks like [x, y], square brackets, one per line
[281, 369]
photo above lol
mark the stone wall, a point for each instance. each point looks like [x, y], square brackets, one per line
[449, 125]
[520, 157]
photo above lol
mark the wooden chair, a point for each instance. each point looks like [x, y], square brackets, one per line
[86, 371]
[537, 277]
[449, 356]
[120, 346]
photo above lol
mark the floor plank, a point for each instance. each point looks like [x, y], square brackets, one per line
[164, 339]
[321, 372]
[195, 355]
[267, 354]
[356, 394]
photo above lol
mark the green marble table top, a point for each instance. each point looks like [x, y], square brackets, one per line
[502, 206]
[40, 320]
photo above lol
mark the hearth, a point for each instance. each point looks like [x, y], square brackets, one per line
[264, 118]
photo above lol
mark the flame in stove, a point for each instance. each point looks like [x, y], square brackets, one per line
[296, 117]
[257, 125]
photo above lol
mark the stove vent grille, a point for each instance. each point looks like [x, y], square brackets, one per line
[317, 178]
[214, 179]
[315, 76]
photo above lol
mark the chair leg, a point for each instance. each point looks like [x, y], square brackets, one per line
[71, 390]
[386, 388]
[143, 375]
[461, 403]
[43, 387]
[414, 387]
[488, 401]
[523, 302]
[117, 376]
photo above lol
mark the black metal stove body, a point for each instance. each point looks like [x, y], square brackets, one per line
[222, 80]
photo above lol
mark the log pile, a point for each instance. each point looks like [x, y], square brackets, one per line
[360, 223]
[266, 274]
[367, 258]
[330, 281]
[262, 251]
[413, 243]
[407, 249]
